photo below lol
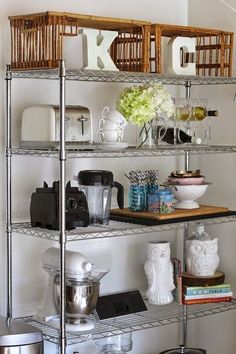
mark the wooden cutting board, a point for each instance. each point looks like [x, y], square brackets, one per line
[177, 213]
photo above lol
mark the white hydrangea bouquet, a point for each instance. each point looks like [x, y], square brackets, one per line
[140, 104]
[146, 106]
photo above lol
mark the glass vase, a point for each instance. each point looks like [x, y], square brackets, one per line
[137, 197]
[152, 133]
[144, 139]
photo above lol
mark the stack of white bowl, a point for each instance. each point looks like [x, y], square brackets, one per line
[187, 186]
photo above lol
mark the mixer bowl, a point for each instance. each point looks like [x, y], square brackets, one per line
[187, 194]
[81, 297]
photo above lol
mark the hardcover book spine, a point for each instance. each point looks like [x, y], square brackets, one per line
[223, 285]
[207, 296]
[207, 291]
[207, 300]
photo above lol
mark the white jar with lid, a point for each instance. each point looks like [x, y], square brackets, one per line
[202, 257]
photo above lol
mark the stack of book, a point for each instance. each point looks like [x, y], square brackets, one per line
[206, 294]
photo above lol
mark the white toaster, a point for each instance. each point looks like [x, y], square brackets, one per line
[40, 126]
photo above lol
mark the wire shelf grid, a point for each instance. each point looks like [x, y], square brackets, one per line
[114, 229]
[128, 152]
[122, 77]
[155, 316]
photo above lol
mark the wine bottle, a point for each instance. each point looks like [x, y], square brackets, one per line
[200, 113]
[167, 135]
[196, 113]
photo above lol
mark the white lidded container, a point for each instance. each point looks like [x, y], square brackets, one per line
[202, 258]
[18, 337]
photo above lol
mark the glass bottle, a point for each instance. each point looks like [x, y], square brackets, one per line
[200, 113]
[178, 136]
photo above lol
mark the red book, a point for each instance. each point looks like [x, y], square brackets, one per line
[207, 300]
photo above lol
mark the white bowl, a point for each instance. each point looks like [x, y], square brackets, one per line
[186, 195]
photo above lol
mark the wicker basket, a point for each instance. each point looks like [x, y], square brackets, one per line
[214, 49]
[37, 39]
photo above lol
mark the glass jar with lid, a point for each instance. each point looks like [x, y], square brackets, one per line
[161, 201]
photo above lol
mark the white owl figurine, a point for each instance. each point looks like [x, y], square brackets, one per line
[202, 257]
[159, 271]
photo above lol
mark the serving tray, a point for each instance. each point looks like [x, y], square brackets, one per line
[155, 218]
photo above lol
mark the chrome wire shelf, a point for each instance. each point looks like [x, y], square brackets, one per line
[114, 229]
[168, 150]
[122, 77]
[155, 316]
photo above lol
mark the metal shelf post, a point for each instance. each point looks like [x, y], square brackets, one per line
[9, 194]
[186, 230]
[62, 221]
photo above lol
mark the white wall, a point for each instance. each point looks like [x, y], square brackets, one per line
[125, 257]
[221, 169]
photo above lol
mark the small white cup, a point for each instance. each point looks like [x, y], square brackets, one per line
[107, 136]
[113, 116]
[106, 124]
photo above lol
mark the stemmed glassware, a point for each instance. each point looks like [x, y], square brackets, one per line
[191, 115]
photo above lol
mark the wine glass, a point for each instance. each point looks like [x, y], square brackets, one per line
[200, 121]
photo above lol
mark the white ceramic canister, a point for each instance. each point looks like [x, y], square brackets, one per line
[202, 257]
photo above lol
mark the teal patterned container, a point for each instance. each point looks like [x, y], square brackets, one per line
[161, 201]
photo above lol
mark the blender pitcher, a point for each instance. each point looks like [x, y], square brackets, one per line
[97, 186]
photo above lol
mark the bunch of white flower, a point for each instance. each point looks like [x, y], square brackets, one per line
[162, 99]
[140, 104]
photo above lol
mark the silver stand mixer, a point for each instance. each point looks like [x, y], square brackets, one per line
[81, 289]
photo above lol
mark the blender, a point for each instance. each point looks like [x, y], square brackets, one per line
[97, 186]
[82, 284]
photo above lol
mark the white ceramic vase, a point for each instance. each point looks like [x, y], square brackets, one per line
[159, 271]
